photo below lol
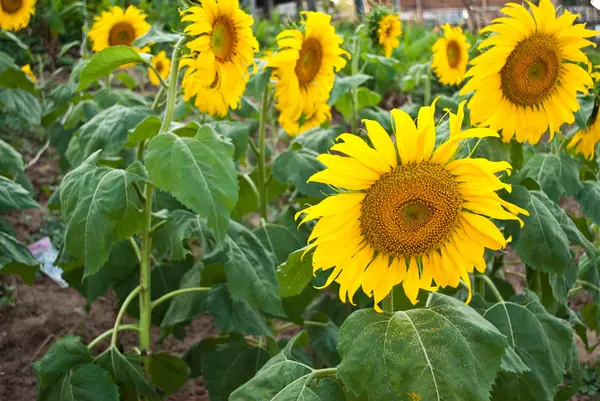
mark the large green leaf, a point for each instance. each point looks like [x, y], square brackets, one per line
[280, 240]
[146, 129]
[181, 225]
[15, 258]
[238, 133]
[443, 352]
[295, 274]
[105, 61]
[100, 207]
[84, 383]
[126, 370]
[366, 98]
[541, 243]
[19, 102]
[199, 172]
[15, 197]
[324, 339]
[542, 341]
[247, 197]
[251, 271]
[16, 78]
[168, 372]
[283, 377]
[320, 139]
[583, 115]
[589, 200]
[344, 84]
[106, 131]
[556, 175]
[155, 35]
[11, 162]
[65, 354]
[186, 307]
[235, 315]
[295, 167]
[227, 366]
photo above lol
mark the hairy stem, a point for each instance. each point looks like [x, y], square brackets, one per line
[172, 89]
[121, 313]
[180, 291]
[262, 150]
[145, 272]
[488, 281]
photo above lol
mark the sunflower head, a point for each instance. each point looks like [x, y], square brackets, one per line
[584, 141]
[222, 50]
[117, 27]
[162, 64]
[450, 56]
[407, 212]
[15, 14]
[384, 28]
[304, 69]
[27, 70]
[526, 82]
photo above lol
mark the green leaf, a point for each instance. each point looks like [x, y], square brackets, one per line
[19, 102]
[15, 78]
[378, 114]
[156, 35]
[126, 370]
[542, 341]
[15, 197]
[247, 197]
[285, 378]
[199, 172]
[186, 307]
[250, 271]
[126, 80]
[366, 98]
[84, 383]
[443, 352]
[343, 85]
[15, 258]
[168, 372]
[181, 225]
[100, 207]
[105, 61]
[296, 167]
[106, 131]
[238, 133]
[11, 162]
[235, 315]
[80, 113]
[319, 139]
[6, 61]
[146, 129]
[280, 240]
[589, 200]
[229, 365]
[541, 243]
[64, 355]
[575, 370]
[295, 274]
[324, 339]
[583, 115]
[556, 175]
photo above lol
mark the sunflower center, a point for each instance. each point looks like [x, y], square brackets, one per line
[412, 210]
[223, 39]
[531, 71]
[160, 67]
[11, 6]
[453, 53]
[121, 34]
[309, 62]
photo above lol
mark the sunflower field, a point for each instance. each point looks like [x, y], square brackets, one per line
[302, 207]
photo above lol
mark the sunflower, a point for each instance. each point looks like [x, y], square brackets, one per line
[407, 213]
[450, 56]
[15, 14]
[384, 29]
[162, 64]
[118, 27]
[321, 114]
[304, 70]
[27, 70]
[222, 51]
[584, 141]
[527, 81]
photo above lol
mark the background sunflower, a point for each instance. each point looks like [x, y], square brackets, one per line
[15, 14]
[162, 64]
[384, 29]
[118, 27]
[450, 56]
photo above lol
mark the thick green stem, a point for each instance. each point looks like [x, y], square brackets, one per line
[491, 285]
[388, 302]
[172, 89]
[145, 272]
[354, 91]
[160, 78]
[180, 291]
[107, 333]
[121, 313]
[262, 150]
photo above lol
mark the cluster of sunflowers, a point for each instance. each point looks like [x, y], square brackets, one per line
[406, 211]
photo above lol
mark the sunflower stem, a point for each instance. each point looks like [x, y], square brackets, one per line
[108, 332]
[162, 81]
[354, 91]
[491, 285]
[172, 87]
[262, 150]
[180, 291]
[121, 313]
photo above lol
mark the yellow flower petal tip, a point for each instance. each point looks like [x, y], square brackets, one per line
[408, 213]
